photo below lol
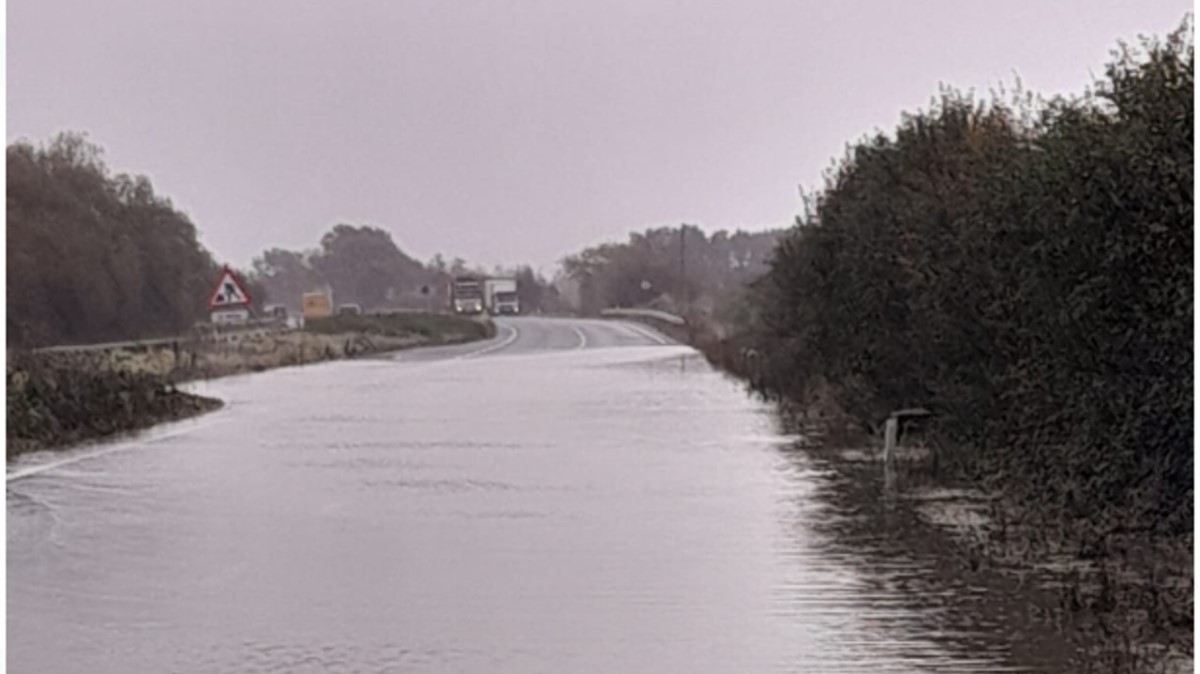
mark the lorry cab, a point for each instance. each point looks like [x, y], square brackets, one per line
[506, 303]
[467, 295]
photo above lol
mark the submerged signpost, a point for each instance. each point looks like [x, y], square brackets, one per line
[891, 430]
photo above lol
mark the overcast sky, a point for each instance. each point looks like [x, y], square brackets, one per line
[515, 131]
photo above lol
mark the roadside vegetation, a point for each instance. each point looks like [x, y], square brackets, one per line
[1023, 270]
[434, 329]
[96, 257]
[680, 270]
[53, 400]
[363, 265]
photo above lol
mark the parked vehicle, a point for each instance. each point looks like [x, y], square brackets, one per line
[349, 309]
[276, 311]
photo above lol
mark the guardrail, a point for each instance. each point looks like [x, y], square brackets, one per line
[645, 313]
[109, 346]
[211, 333]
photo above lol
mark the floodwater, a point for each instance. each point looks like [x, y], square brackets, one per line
[573, 496]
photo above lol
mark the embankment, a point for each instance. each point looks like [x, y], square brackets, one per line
[320, 340]
[60, 398]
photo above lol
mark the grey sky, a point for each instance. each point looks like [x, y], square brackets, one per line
[515, 131]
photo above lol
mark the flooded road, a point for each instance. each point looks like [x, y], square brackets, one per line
[572, 496]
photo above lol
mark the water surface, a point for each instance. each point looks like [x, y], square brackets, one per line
[574, 496]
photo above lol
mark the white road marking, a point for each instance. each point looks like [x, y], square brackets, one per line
[637, 329]
[582, 337]
[135, 443]
[494, 347]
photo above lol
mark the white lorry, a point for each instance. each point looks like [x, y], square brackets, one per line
[500, 295]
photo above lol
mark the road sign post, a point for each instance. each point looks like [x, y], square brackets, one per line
[229, 301]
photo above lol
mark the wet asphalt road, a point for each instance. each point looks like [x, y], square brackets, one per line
[571, 496]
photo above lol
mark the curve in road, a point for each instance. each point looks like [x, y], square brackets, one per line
[530, 335]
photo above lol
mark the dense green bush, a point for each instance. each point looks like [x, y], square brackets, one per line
[1025, 270]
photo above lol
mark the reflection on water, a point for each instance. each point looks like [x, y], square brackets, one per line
[921, 600]
[607, 509]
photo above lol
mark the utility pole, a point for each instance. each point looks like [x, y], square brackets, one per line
[683, 281]
[682, 272]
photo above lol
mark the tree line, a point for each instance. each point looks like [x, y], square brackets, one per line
[679, 269]
[359, 264]
[1024, 269]
[94, 256]
[364, 265]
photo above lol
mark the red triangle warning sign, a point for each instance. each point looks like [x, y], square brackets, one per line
[229, 292]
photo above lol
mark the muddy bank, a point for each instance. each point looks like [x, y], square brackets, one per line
[52, 403]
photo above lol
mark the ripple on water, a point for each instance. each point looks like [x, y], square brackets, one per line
[445, 486]
[319, 657]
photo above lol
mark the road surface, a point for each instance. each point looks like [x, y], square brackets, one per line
[571, 496]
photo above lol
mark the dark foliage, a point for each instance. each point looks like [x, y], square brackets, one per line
[364, 265]
[53, 400]
[360, 265]
[1025, 271]
[679, 269]
[95, 257]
